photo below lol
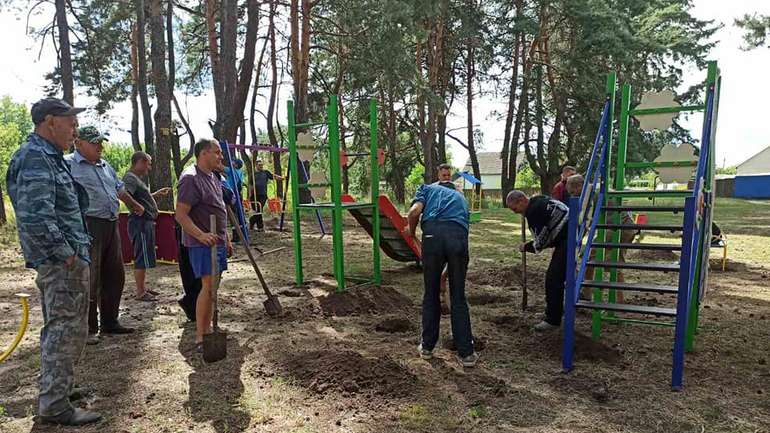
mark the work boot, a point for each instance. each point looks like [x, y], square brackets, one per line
[117, 329]
[74, 417]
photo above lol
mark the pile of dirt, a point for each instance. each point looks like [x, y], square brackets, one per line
[496, 277]
[365, 300]
[394, 325]
[487, 298]
[653, 255]
[346, 371]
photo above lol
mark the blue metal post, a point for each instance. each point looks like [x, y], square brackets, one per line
[571, 295]
[683, 294]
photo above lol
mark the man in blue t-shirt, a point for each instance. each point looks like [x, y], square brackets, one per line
[445, 221]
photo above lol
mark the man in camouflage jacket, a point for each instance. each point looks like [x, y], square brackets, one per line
[49, 205]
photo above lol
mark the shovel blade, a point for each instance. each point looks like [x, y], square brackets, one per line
[272, 306]
[214, 346]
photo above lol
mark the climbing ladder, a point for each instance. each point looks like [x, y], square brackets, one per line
[595, 227]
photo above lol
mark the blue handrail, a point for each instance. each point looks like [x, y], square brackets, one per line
[592, 174]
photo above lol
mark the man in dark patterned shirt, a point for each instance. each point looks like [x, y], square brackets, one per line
[49, 208]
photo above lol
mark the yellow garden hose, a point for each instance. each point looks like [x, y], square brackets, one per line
[22, 326]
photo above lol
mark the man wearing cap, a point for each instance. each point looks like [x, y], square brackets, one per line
[141, 228]
[107, 272]
[259, 186]
[53, 237]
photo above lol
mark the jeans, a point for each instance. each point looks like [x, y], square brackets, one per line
[445, 243]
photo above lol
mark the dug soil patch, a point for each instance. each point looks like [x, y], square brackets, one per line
[653, 255]
[349, 372]
[394, 325]
[487, 298]
[363, 300]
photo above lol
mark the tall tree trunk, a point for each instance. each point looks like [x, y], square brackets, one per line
[255, 92]
[134, 93]
[509, 153]
[212, 7]
[470, 73]
[160, 176]
[3, 218]
[65, 55]
[397, 177]
[271, 112]
[141, 77]
[179, 165]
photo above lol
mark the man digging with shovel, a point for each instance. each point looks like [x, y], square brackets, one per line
[199, 198]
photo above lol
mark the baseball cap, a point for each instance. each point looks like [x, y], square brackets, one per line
[54, 107]
[91, 134]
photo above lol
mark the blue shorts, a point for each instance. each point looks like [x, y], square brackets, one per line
[141, 231]
[200, 260]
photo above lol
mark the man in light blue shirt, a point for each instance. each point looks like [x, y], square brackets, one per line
[445, 220]
[104, 188]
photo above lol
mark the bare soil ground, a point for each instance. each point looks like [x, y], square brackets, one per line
[348, 362]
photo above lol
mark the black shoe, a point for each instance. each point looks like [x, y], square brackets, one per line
[75, 417]
[117, 329]
[190, 313]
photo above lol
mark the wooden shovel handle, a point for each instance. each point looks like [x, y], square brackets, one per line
[238, 230]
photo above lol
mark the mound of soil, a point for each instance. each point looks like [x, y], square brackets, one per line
[394, 325]
[346, 371]
[479, 343]
[509, 321]
[497, 277]
[487, 298]
[365, 300]
[653, 255]
[290, 293]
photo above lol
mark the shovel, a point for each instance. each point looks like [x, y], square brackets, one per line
[271, 304]
[523, 266]
[214, 344]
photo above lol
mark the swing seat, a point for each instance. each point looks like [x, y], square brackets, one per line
[274, 205]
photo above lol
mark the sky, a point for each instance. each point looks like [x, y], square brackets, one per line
[743, 128]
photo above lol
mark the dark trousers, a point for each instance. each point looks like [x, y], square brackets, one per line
[445, 243]
[107, 274]
[554, 284]
[190, 284]
[257, 219]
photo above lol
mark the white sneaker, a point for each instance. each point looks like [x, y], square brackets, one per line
[424, 353]
[469, 361]
[545, 327]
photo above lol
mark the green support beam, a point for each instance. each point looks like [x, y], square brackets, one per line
[639, 164]
[375, 197]
[665, 110]
[292, 131]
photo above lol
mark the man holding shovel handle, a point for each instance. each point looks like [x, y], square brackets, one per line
[199, 198]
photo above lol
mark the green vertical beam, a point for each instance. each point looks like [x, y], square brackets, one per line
[712, 81]
[611, 90]
[336, 181]
[375, 167]
[293, 175]
[598, 294]
[620, 167]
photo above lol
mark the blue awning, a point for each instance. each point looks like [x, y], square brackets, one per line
[470, 178]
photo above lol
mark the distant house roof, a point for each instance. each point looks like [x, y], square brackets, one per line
[491, 163]
[759, 163]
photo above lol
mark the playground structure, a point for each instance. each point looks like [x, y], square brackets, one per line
[476, 196]
[24, 300]
[304, 151]
[603, 198]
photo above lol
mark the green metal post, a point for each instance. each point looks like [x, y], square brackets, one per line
[336, 181]
[611, 89]
[375, 167]
[598, 295]
[293, 175]
[620, 167]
